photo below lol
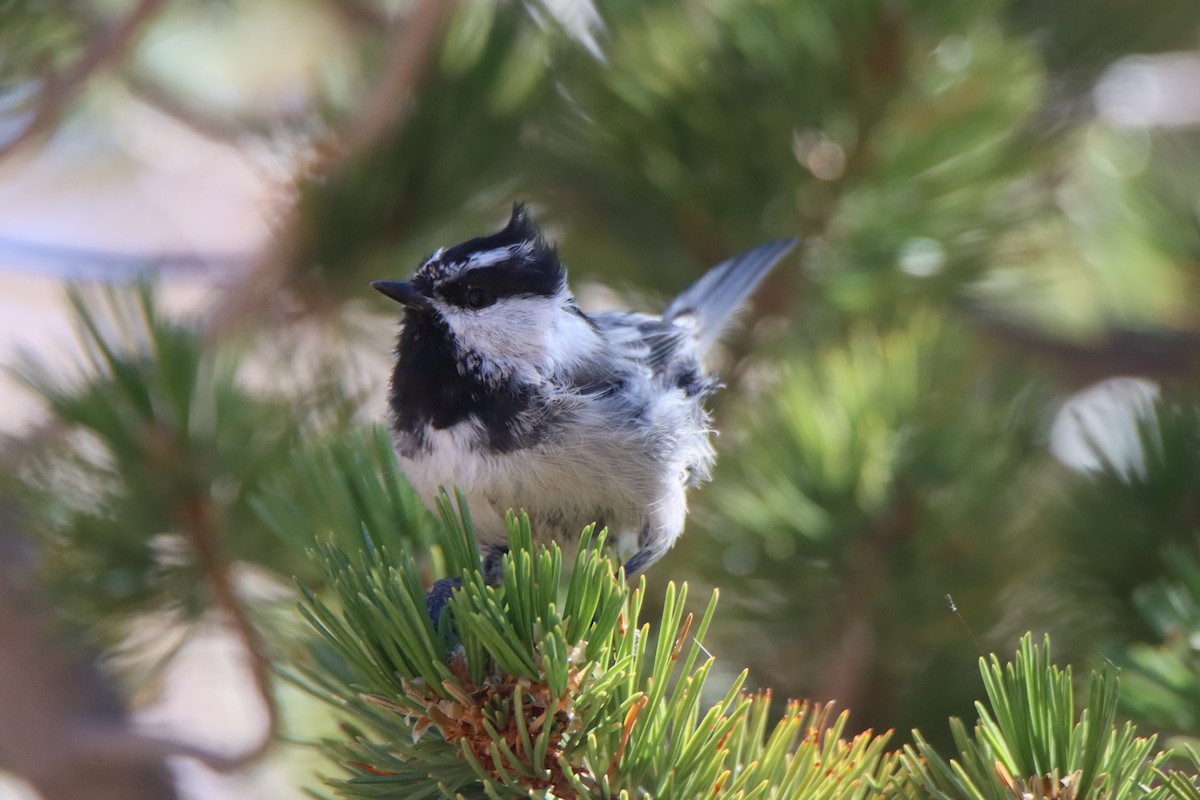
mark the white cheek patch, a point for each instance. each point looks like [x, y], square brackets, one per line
[570, 340]
[512, 328]
[517, 335]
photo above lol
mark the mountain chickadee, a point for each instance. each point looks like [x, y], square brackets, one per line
[506, 389]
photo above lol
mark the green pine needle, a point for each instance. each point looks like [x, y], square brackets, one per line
[548, 685]
[1029, 743]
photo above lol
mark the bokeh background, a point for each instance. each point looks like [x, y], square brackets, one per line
[978, 379]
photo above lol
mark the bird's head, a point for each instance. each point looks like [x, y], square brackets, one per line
[497, 300]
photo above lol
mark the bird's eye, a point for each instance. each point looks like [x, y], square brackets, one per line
[478, 298]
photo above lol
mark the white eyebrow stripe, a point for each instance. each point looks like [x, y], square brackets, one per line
[489, 257]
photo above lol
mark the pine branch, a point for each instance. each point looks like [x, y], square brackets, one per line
[1160, 676]
[338, 484]
[1182, 784]
[549, 683]
[160, 433]
[1030, 743]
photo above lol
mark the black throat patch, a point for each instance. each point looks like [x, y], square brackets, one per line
[431, 387]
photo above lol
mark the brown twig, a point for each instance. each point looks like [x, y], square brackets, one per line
[412, 44]
[121, 745]
[360, 13]
[849, 675]
[413, 40]
[225, 128]
[208, 542]
[1157, 354]
[58, 91]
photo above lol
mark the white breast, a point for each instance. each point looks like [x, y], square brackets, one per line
[599, 467]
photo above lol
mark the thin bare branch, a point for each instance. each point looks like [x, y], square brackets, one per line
[109, 745]
[57, 92]
[225, 128]
[413, 43]
[360, 13]
[1154, 354]
[209, 544]
[849, 677]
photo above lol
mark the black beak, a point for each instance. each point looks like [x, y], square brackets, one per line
[403, 292]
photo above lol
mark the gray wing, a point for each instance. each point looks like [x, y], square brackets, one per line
[662, 351]
[670, 347]
[708, 304]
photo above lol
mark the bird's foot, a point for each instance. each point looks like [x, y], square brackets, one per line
[439, 594]
[437, 597]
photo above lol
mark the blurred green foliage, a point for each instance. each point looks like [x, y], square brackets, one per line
[888, 472]
[1162, 671]
[35, 39]
[1029, 744]
[162, 436]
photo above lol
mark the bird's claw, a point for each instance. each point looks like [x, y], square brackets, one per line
[437, 597]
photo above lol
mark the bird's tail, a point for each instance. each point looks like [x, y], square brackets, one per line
[708, 305]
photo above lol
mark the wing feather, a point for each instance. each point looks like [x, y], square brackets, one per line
[708, 304]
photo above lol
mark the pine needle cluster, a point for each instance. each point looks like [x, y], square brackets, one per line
[549, 684]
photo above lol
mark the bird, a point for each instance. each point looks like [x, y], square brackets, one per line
[505, 388]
